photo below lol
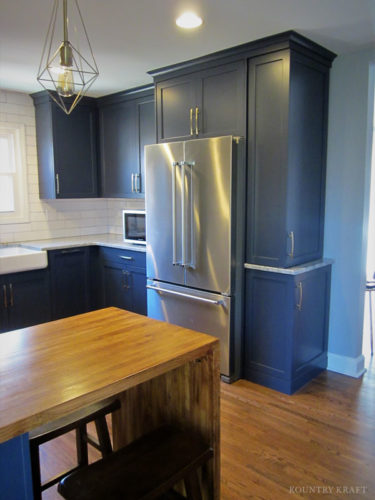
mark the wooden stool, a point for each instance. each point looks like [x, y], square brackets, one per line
[145, 469]
[76, 421]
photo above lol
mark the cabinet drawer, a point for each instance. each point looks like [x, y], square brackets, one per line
[127, 257]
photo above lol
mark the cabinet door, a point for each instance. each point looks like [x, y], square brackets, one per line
[28, 299]
[116, 291]
[70, 281]
[146, 135]
[176, 100]
[223, 101]
[74, 143]
[311, 315]
[267, 159]
[268, 328]
[306, 158]
[118, 149]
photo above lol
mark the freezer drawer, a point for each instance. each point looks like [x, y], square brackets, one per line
[202, 311]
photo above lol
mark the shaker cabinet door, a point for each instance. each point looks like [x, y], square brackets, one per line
[118, 149]
[287, 129]
[126, 125]
[223, 106]
[176, 102]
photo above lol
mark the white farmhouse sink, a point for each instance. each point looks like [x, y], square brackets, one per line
[14, 259]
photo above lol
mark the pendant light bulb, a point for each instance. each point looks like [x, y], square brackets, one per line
[65, 80]
[65, 83]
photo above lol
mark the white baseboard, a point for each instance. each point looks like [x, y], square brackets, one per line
[354, 367]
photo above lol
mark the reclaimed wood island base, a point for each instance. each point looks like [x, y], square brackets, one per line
[162, 373]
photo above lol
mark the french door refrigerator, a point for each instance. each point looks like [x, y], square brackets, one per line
[194, 204]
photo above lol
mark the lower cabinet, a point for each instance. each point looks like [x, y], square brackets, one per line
[123, 279]
[70, 281]
[286, 327]
[24, 299]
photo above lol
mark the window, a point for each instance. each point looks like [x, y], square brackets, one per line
[13, 174]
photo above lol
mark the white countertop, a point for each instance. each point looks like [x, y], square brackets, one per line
[303, 268]
[106, 240]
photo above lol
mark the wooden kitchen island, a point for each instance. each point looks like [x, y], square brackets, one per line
[162, 373]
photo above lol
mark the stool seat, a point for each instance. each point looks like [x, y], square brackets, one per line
[145, 469]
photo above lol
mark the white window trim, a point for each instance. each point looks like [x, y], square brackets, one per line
[21, 213]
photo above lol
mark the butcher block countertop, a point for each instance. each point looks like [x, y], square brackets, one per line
[49, 370]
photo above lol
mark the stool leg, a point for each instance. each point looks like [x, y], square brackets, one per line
[35, 471]
[192, 486]
[81, 442]
[371, 327]
[103, 436]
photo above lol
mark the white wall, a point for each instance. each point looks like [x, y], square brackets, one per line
[347, 197]
[54, 218]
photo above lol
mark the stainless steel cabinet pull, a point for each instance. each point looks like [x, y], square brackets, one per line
[11, 295]
[57, 184]
[300, 288]
[5, 296]
[291, 236]
[126, 257]
[191, 121]
[181, 294]
[133, 184]
[196, 120]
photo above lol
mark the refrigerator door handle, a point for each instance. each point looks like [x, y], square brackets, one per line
[183, 216]
[193, 297]
[175, 164]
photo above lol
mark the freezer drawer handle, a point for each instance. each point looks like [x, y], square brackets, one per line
[193, 297]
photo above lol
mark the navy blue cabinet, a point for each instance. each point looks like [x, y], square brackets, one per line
[126, 125]
[287, 131]
[70, 281]
[24, 299]
[286, 327]
[203, 103]
[123, 279]
[67, 155]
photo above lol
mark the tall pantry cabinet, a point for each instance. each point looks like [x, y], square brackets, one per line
[284, 98]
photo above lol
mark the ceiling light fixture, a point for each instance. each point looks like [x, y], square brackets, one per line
[63, 71]
[189, 20]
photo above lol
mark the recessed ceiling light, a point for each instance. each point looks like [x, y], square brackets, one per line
[189, 20]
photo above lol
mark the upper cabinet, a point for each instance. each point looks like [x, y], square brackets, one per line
[66, 148]
[287, 132]
[205, 103]
[126, 125]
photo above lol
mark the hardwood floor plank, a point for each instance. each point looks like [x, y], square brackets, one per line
[276, 447]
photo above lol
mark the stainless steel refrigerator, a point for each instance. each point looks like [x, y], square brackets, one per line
[194, 215]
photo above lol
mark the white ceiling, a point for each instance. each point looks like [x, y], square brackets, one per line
[130, 37]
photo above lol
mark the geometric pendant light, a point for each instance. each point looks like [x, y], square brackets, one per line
[67, 67]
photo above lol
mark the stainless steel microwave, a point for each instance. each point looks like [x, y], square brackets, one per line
[134, 226]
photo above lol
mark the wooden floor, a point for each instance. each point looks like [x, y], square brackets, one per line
[319, 442]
